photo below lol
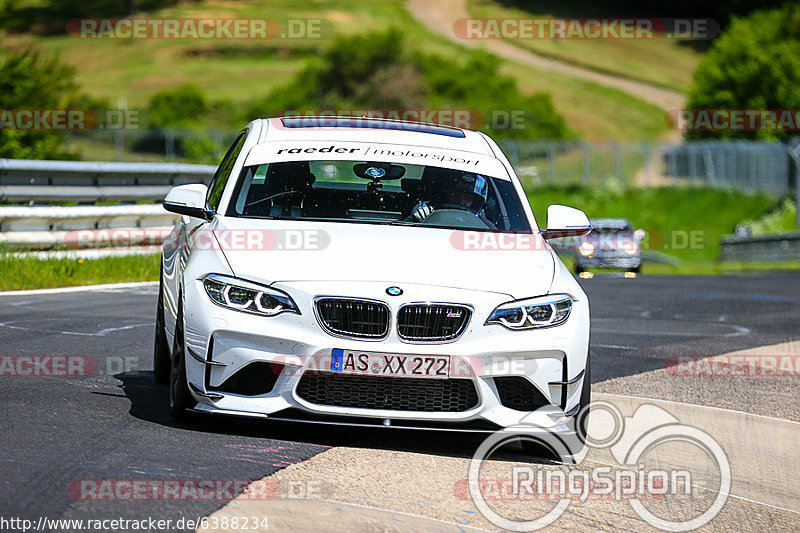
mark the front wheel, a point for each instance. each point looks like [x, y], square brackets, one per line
[161, 360]
[180, 399]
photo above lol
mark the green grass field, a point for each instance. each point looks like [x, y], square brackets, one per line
[662, 62]
[683, 223]
[243, 70]
[33, 273]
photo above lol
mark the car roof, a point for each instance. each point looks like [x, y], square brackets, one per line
[611, 223]
[375, 130]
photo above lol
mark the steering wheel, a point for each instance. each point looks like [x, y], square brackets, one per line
[457, 218]
[454, 207]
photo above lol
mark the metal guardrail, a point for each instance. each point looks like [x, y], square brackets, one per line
[744, 165]
[23, 180]
[782, 247]
[41, 182]
[44, 227]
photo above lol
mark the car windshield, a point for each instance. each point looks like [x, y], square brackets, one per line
[378, 193]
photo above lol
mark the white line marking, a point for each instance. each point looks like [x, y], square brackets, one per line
[362, 506]
[101, 333]
[81, 288]
[615, 346]
[730, 495]
[697, 405]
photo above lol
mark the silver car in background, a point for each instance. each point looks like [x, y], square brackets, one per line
[612, 243]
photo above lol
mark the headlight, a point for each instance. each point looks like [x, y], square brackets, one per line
[540, 312]
[248, 297]
[586, 248]
[630, 247]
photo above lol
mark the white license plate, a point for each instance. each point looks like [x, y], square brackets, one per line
[383, 364]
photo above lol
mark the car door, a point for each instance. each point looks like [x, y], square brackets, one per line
[177, 255]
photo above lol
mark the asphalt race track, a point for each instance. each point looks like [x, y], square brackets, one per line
[114, 424]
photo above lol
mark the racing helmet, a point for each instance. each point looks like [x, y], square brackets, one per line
[437, 182]
[468, 183]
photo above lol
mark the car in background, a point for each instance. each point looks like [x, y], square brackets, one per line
[387, 317]
[612, 243]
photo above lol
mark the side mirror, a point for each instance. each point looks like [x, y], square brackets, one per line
[563, 221]
[639, 234]
[189, 200]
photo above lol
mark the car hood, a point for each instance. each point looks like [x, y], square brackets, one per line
[292, 250]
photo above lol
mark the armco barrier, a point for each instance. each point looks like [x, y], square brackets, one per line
[31, 181]
[782, 247]
[42, 182]
[45, 227]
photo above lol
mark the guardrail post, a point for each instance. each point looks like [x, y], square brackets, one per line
[119, 144]
[587, 162]
[794, 151]
[551, 162]
[615, 147]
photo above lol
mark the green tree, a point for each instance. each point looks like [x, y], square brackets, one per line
[378, 71]
[30, 80]
[754, 64]
[177, 107]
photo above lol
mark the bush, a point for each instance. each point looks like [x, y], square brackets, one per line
[176, 108]
[377, 71]
[754, 64]
[29, 80]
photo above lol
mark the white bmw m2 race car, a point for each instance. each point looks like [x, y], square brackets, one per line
[373, 273]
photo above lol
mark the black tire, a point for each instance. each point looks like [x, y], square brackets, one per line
[180, 399]
[578, 269]
[161, 357]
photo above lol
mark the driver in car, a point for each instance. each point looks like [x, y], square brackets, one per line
[455, 190]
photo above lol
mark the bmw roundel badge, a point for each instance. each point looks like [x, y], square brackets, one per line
[394, 291]
[375, 172]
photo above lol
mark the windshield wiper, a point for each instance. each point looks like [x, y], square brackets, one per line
[254, 202]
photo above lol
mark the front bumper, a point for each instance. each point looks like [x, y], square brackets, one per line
[224, 344]
[620, 260]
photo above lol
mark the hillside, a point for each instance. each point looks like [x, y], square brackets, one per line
[243, 70]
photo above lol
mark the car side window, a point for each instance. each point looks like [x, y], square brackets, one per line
[222, 174]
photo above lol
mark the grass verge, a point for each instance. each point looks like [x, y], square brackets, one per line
[696, 268]
[683, 222]
[22, 272]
